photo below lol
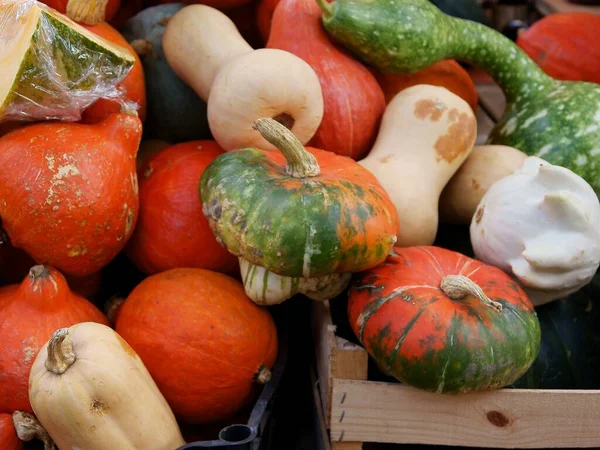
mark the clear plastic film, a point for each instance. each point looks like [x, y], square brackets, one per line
[53, 68]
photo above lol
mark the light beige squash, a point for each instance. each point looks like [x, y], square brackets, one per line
[485, 165]
[426, 133]
[90, 390]
[198, 41]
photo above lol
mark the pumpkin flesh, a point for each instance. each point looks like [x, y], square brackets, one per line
[418, 334]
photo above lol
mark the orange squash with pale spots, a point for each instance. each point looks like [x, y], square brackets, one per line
[442, 322]
[29, 313]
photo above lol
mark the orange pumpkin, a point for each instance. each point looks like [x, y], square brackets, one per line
[448, 74]
[133, 86]
[172, 230]
[8, 435]
[29, 314]
[79, 183]
[86, 11]
[204, 342]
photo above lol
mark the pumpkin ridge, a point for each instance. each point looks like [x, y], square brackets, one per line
[450, 335]
[435, 260]
[409, 326]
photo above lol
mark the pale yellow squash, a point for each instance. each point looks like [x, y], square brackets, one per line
[426, 133]
[90, 390]
[485, 165]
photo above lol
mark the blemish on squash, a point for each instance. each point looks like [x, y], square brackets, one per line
[429, 108]
[77, 251]
[128, 349]
[129, 220]
[387, 159]
[474, 184]
[459, 138]
[98, 407]
[479, 214]
[498, 419]
[148, 171]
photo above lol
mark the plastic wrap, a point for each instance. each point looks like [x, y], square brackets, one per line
[52, 68]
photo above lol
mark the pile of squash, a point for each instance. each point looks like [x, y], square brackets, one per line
[222, 157]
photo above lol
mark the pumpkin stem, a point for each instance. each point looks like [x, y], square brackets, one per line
[143, 47]
[326, 7]
[458, 287]
[300, 162]
[28, 428]
[90, 12]
[39, 272]
[111, 307]
[60, 352]
[263, 375]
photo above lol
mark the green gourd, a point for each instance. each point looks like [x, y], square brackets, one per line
[558, 121]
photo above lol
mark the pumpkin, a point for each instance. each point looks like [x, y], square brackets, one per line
[264, 16]
[27, 428]
[89, 12]
[442, 322]
[252, 198]
[447, 73]
[425, 135]
[353, 100]
[172, 231]
[175, 113]
[133, 87]
[8, 435]
[53, 68]
[107, 400]
[544, 117]
[80, 185]
[485, 165]
[565, 45]
[29, 313]
[193, 324]
[240, 84]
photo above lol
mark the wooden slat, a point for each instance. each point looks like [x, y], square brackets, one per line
[346, 446]
[392, 413]
[547, 7]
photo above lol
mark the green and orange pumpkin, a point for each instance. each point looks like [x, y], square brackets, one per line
[442, 322]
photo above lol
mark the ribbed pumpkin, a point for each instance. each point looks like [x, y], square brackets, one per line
[8, 435]
[79, 183]
[448, 74]
[440, 321]
[307, 214]
[133, 86]
[29, 314]
[565, 45]
[89, 12]
[353, 100]
[171, 230]
[204, 342]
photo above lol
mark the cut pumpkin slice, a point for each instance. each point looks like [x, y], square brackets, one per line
[52, 68]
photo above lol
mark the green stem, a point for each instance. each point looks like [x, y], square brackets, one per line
[300, 162]
[326, 7]
[515, 72]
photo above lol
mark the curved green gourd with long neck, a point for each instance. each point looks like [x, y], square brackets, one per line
[558, 121]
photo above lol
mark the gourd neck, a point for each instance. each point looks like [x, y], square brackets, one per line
[457, 287]
[60, 352]
[518, 76]
[300, 162]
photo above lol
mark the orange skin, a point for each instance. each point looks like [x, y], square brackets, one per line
[8, 434]
[202, 340]
[448, 74]
[70, 195]
[112, 7]
[172, 230]
[133, 86]
[353, 100]
[29, 314]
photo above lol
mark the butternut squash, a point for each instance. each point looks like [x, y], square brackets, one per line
[90, 390]
[485, 165]
[426, 133]
[240, 84]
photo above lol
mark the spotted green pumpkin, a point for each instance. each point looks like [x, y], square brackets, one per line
[298, 212]
[558, 121]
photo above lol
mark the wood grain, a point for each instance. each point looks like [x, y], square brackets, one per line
[382, 412]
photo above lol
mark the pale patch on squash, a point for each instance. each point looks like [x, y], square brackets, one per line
[429, 109]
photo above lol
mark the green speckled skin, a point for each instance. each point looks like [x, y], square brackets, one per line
[340, 221]
[62, 73]
[557, 121]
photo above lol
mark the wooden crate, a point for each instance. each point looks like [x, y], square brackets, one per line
[357, 410]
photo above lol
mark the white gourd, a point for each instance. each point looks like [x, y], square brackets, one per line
[542, 224]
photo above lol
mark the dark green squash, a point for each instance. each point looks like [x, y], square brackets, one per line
[558, 121]
[175, 112]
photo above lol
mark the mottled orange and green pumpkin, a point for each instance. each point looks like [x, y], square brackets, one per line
[424, 335]
[309, 213]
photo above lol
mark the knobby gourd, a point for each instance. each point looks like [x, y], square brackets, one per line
[426, 133]
[540, 224]
[240, 84]
[298, 212]
[440, 321]
[556, 120]
[90, 390]
[485, 165]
